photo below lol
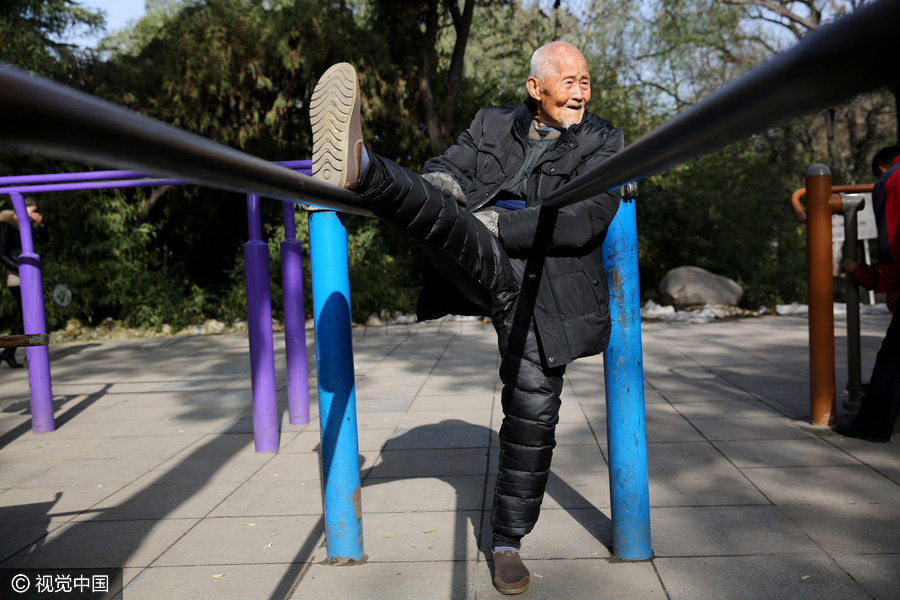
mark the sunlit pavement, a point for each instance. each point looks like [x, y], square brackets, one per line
[152, 468]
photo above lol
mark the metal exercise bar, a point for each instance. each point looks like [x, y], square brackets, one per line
[39, 115]
[15, 180]
[342, 497]
[259, 328]
[828, 66]
[623, 373]
[258, 294]
[39, 383]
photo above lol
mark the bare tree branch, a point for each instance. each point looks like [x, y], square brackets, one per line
[155, 196]
[776, 8]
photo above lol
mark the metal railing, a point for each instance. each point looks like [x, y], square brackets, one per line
[259, 313]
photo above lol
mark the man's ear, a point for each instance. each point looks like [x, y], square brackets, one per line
[534, 88]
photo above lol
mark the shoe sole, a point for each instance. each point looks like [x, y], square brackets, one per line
[331, 113]
[510, 592]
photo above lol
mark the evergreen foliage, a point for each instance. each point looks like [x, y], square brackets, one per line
[240, 72]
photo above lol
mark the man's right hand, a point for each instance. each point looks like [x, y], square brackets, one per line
[446, 185]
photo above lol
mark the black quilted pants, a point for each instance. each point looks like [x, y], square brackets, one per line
[466, 253]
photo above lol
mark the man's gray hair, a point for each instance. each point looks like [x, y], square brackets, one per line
[542, 60]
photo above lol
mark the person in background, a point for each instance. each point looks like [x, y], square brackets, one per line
[881, 404]
[10, 249]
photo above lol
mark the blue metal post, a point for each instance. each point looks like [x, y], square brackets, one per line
[259, 327]
[34, 321]
[294, 320]
[337, 388]
[624, 374]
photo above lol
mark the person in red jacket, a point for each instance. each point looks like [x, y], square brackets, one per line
[881, 404]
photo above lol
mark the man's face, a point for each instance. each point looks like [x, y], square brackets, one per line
[564, 91]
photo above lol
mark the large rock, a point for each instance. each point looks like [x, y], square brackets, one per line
[686, 286]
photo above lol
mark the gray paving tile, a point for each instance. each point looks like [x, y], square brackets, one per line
[57, 505]
[46, 448]
[571, 533]
[802, 576]
[850, 528]
[148, 500]
[421, 536]
[157, 448]
[98, 544]
[726, 409]
[92, 472]
[597, 579]
[725, 531]
[246, 540]
[272, 498]
[430, 463]
[876, 573]
[456, 402]
[775, 428]
[824, 485]
[440, 436]
[423, 494]
[784, 453]
[215, 458]
[290, 467]
[575, 490]
[578, 434]
[234, 582]
[388, 581]
[672, 431]
[366, 404]
[696, 474]
[16, 537]
[381, 386]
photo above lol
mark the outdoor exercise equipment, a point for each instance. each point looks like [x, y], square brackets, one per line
[822, 201]
[827, 66]
[259, 317]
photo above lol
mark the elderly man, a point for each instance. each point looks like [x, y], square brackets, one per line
[495, 251]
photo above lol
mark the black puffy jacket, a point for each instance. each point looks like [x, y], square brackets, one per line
[564, 282]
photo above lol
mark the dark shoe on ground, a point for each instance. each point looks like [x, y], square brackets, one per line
[852, 430]
[336, 128]
[510, 574]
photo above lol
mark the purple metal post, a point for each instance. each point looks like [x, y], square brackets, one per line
[259, 326]
[33, 318]
[294, 320]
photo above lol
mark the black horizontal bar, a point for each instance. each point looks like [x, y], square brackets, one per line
[852, 55]
[837, 61]
[46, 117]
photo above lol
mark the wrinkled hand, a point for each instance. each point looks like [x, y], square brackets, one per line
[447, 185]
[850, 265]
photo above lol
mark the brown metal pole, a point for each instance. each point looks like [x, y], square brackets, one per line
[23, 341]
[821, 296]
